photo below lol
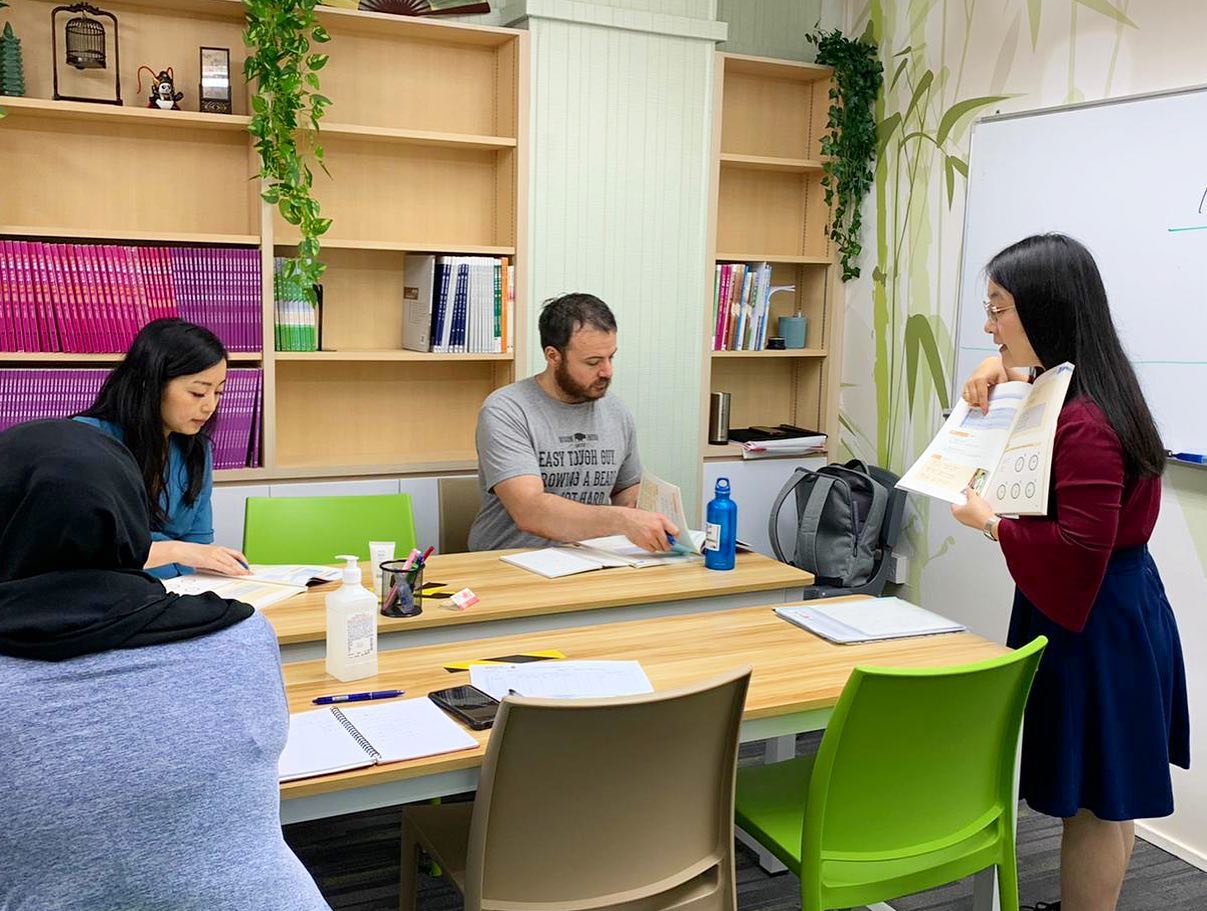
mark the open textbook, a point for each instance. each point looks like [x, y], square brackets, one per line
[266, 585]
[657, 495]
[1005, 455]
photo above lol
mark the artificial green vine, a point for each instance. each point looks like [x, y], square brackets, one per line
[850, 145]
[286, 110]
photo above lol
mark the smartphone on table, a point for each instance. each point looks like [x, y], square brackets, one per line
[468, 704]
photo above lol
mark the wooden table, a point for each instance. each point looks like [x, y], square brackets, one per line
[796, 681]
[513, 600]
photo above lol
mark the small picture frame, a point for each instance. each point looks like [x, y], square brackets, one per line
[214, 93]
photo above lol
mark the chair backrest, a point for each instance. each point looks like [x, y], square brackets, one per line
[620, 803]
[316, 529]
[914, 759]
[460, 500]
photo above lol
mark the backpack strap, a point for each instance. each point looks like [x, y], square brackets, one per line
[798, 477]
[809, 521]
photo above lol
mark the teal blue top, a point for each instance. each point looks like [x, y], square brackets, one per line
[192, 522]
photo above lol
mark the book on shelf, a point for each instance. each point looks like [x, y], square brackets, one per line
[741, 306]
[458, 304]
[1004, 454]
[42, 393]
[94, 298]
[336, 739]
[296, 321]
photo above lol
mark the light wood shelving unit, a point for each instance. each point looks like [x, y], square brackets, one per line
[767, 205]
[426, 144]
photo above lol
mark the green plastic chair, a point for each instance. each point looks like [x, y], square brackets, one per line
[912, 785]
[316, 529]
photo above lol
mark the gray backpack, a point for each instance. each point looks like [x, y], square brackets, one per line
[839, 509]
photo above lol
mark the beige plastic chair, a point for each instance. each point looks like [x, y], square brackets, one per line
[622, 804]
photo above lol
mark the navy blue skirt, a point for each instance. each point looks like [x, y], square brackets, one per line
[1107, 712]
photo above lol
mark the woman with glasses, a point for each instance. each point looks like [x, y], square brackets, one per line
[1107, 713]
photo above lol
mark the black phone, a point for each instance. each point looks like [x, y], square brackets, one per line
[467, 704]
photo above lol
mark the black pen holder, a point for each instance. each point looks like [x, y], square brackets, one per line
[401, 589]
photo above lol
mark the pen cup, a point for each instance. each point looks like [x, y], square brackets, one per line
[401, 589]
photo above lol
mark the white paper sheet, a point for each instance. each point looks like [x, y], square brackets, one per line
[562, 679]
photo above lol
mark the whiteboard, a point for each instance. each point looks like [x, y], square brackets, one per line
[1128, 178]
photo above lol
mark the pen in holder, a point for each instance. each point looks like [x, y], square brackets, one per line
[401, 588]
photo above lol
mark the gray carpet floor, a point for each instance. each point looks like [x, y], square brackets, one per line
[354, 860]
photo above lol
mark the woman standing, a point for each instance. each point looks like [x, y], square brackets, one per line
[162, 401]
[1107, 713]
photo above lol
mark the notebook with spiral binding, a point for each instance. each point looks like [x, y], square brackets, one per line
[337, 739]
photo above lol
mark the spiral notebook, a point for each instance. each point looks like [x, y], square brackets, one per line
[337, 739]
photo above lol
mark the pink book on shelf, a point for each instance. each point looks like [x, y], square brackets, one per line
[65, 298]
[50, 293]
[171, 300]
[42, 298]
[83, 288]
[111, 302]
[722, 296]
[8, 306]
[20, 327]
[125, 270]
[138, 293]
[29, 303]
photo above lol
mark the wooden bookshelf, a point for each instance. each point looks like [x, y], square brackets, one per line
[426, 141]
[767, 205]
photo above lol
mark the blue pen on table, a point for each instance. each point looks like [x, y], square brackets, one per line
[357, 697]
[1196, 457]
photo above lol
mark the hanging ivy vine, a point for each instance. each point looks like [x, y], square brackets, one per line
[286, 109]
[849, 146]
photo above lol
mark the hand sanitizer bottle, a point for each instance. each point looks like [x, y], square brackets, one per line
[721, 534]
[351, 627]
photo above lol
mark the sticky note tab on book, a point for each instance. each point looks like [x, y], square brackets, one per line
[547, 655]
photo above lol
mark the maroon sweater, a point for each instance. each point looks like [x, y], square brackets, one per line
[1058, 561]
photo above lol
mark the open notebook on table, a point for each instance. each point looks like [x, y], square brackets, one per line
[266, 585]
[337, 739]
[595, 553]
[867, 620]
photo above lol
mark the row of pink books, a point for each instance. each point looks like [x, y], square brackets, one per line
[41, 394]
[93, 298]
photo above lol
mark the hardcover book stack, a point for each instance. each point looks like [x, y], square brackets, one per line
[93, 298]
[43, 393]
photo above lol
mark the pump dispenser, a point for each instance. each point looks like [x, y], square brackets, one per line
[351, 626]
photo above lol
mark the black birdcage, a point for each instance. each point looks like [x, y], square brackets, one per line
[85, 43]
[85, 38]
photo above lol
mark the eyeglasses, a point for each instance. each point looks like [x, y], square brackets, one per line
[994, 314]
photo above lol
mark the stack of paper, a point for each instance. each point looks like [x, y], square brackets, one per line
[868, 620]
[598, 553]
[562, 679]
[765, 449]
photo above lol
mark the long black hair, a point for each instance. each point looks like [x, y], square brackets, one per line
[1062, 304]
[131, 398]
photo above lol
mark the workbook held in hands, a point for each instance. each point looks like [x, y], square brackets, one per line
[1005, 455]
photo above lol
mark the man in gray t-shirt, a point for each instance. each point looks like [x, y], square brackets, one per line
[557, 457]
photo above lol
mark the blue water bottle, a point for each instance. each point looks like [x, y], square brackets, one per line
[721, 535]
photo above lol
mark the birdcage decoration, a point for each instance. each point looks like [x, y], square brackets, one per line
[86, 41]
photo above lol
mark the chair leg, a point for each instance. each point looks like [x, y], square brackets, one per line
[408, 882]
[1007, 883]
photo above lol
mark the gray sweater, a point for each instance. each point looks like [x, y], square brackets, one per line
[146, 780]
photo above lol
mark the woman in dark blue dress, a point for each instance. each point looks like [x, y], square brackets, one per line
[1107, 713]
